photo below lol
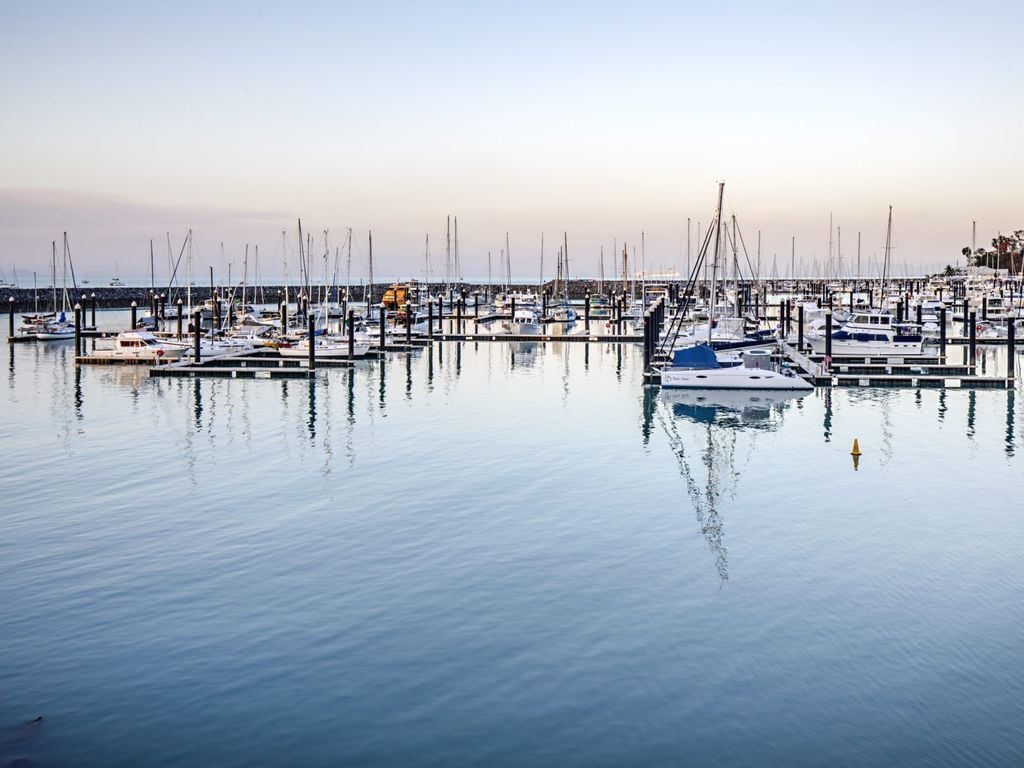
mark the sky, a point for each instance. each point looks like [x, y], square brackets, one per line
[130, 121]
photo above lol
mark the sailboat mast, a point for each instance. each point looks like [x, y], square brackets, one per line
[348, 266]
[369, 295]
[714, 265]
[885, 265]
[245, 274]
[565, 255]
[448, 257]
[53, 273]
[858, 257]
[792, 259]
[455, 248]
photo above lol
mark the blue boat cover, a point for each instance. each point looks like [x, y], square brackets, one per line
[700, 357]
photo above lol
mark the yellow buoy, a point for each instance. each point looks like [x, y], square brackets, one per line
[856, 448]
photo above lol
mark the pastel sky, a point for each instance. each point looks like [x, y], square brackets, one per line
[125, 121]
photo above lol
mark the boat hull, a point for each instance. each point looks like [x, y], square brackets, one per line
[737, 378]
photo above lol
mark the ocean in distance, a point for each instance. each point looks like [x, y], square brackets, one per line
[500, 554]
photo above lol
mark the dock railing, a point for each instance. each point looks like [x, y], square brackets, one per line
[814, 369]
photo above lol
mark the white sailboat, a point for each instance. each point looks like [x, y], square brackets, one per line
[60, 328]
[697, 367]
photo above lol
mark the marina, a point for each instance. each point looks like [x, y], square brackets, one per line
[511, 385]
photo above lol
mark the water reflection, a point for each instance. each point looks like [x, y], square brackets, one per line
[311, 420]
[827, 423]
[707, 455]
[972, 411]
[408, 376]
[524, 353]
[197, 402]
[79, 402]
[351, 395]
[1010, 400]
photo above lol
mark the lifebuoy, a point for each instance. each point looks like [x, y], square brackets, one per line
[979, 327]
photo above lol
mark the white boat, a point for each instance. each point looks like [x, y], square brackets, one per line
[565, 313]
[327, 347]
[698, 368]
[60, 330]
[524, 322]
[139, 345]
[213, 347]
[870, 333]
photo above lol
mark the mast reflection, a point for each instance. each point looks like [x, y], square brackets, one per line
[703, 428]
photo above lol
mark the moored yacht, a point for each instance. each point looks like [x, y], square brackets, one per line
[870, 333]
[139, 345]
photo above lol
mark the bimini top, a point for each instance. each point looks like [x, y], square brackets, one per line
[699, 356]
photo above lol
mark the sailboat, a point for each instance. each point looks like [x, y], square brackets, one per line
[115, 281]
[60, 328]
[697, 367]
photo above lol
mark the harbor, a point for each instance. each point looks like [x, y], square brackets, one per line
[532, 385]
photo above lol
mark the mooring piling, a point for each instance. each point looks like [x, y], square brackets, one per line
[198, 332]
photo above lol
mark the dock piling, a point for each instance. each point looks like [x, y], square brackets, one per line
[93, 310]
[78, 332]
[973, 329]
[179, 319]
[312, 341]
[135, 310]
[196, 318]
[351, 334]
[942, 332]
[1011, 343]
[828, 338]
[800, 328]
[10, 319]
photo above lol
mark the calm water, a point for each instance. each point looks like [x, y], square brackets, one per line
[499, 555]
